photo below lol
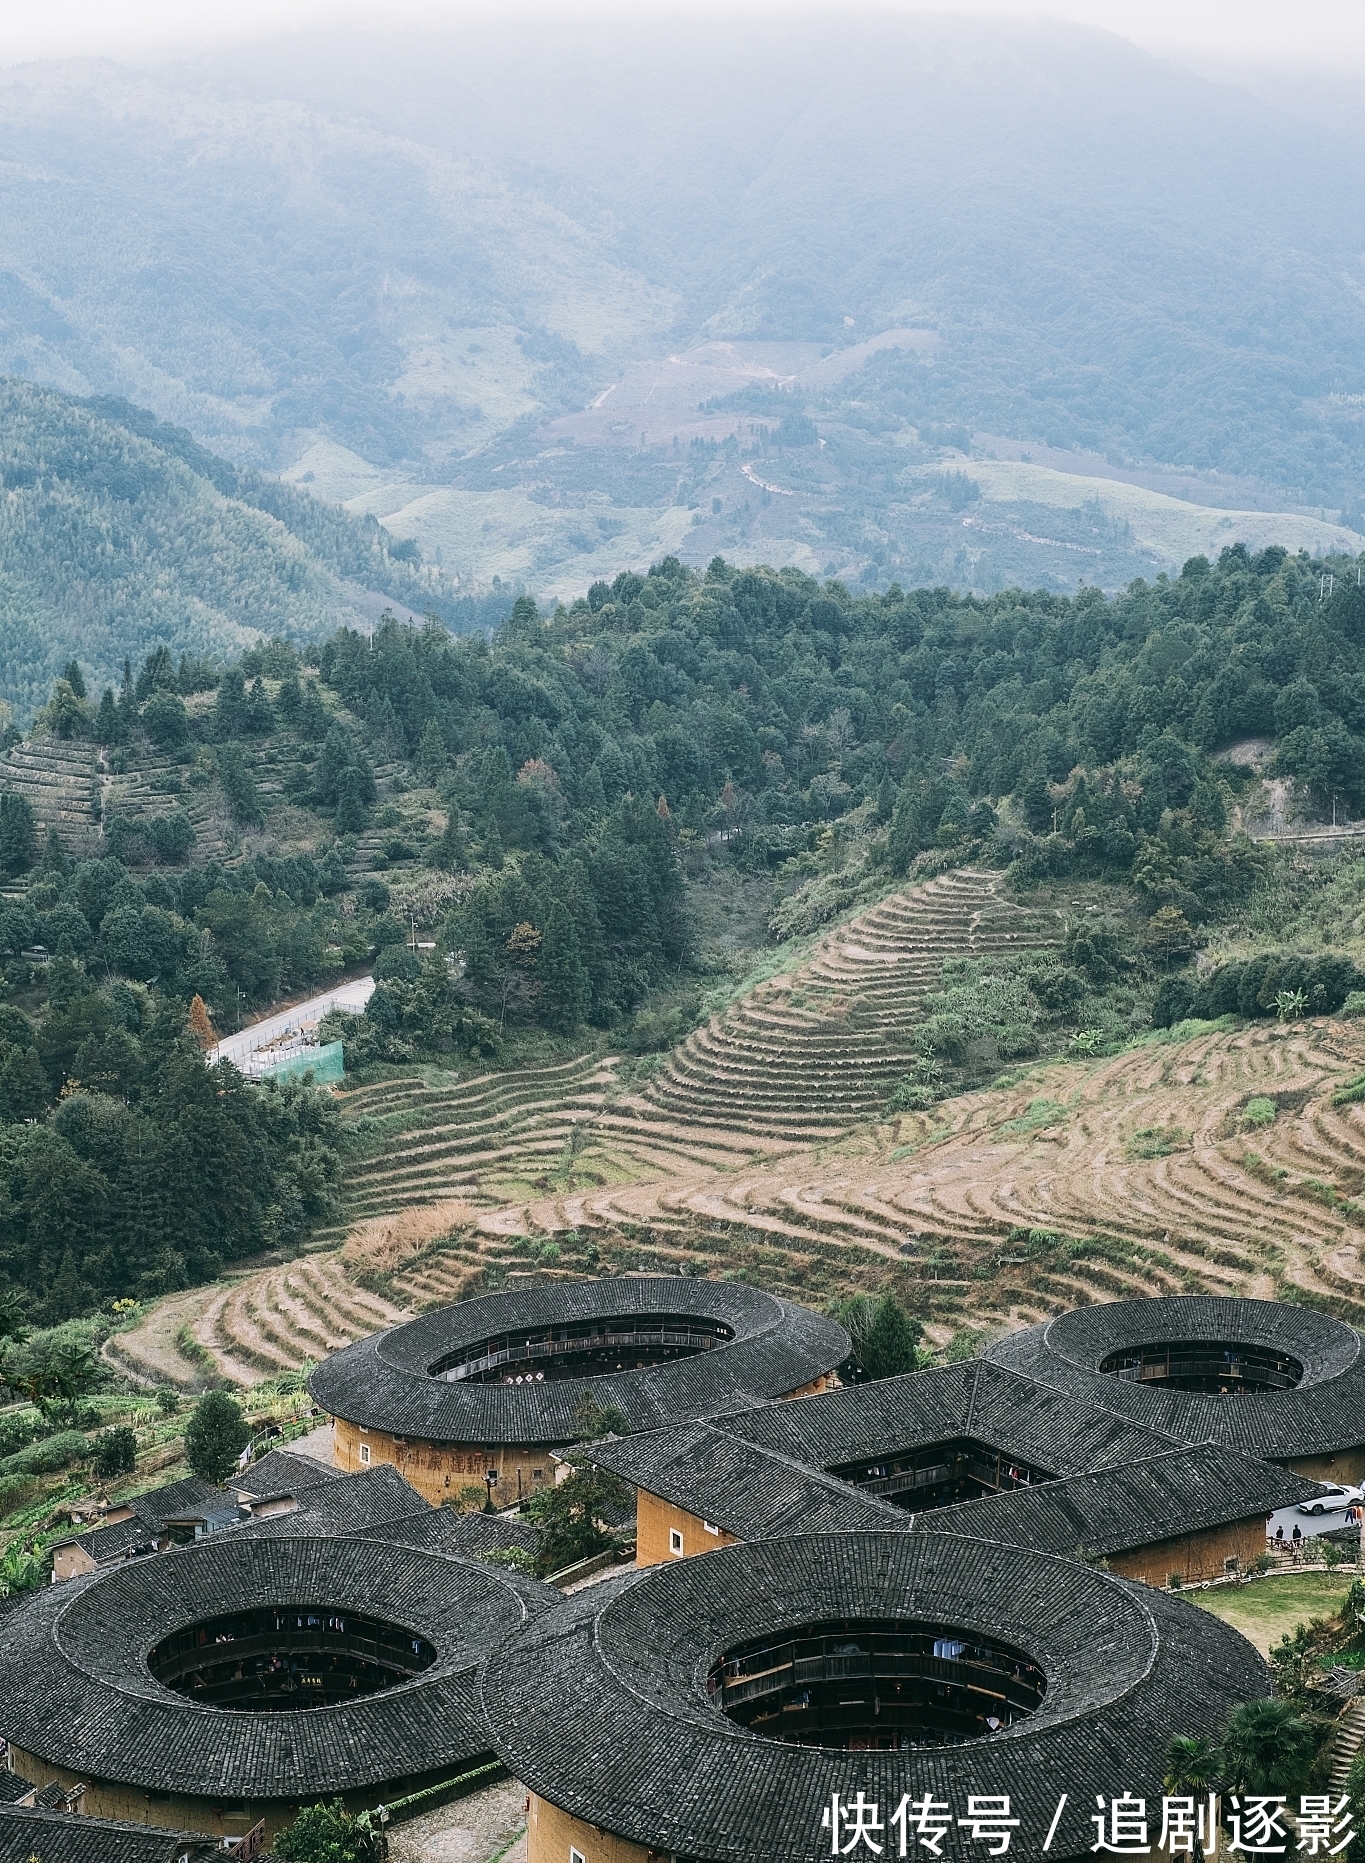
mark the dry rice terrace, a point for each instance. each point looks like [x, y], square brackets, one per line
[755, 1149]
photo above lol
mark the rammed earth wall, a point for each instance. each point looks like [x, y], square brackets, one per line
[438, 1471]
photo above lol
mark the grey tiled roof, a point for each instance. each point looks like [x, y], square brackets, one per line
[58, 1837]
[384, 1381]
[345, 1504]
[281, 1471]
[179, 1500]
[1187, 1490]
[75, 1687]
[444, 1530]
[600, 1706]
[1324, 1413]
[1026, 1420]
[750, 1491]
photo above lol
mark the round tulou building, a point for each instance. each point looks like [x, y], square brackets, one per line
[1283, 1383]
[723, 1709]
[488, 1390]
[229, 1683]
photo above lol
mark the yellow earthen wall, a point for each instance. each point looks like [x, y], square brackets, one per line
[827, 1381]
[654, 1519]
[1347, 1466]
[1195, 1556]
[70, 1562]
[552, 1833]
[439, 1470]
[103, 1799]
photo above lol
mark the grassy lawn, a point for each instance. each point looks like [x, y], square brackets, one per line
[1268, 1607]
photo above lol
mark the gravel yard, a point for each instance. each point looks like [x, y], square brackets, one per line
[487, 1825]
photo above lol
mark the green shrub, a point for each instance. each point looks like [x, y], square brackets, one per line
[47, 1457]
[15, 1492]
[512, 1558]
[115, 1452]
[1259, 1112]
[328, 1834]
[18, 1427]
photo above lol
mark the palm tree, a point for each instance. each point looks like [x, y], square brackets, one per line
[1267, 1748]
[1192, 1767]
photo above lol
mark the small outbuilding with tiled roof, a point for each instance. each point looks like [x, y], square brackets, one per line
[151, 1522]
[1282, 1382]
[65, 1837]
[484, 1392]
[727, 1709]
[231, 1681]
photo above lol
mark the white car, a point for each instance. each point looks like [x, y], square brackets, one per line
[1333, 1500]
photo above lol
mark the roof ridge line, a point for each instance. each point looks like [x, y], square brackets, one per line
[812, 1470]
[976, 1386]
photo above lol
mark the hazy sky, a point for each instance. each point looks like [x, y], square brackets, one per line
[1328, 34]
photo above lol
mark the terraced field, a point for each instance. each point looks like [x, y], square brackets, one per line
[807, 1055]
[59, 778]
[1084, 1180]
[157, 786]
[275, 1321]
[1133, 1175]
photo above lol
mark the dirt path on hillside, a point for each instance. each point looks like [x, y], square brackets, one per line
[148, 1352]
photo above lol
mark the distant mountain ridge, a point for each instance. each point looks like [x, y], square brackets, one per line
[398, 265]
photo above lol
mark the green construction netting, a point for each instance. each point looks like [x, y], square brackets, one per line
[323, 1063]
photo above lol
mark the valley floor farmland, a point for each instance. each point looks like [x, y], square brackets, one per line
[759, 1147]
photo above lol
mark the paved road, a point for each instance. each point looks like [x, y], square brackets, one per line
[352, 996]
[1308, 1524]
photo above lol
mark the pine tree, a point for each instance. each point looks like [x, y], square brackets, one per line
[18, 833]
[452, 850]
[889, 1347]
[350, 815]
[563, 979]
[127, 704]
[69, 1296]
[1037, 803]
[200, 1026]
[239, 786]
[24, 1092]
[108, 729]
[431, 752]
[216, 1436]
[54, 855]
[75, 678]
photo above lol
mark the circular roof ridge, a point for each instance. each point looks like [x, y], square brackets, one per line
[1323, 1413]
[385, 1381]
[1327, 1345]
[613, 1724]
[75, 1687]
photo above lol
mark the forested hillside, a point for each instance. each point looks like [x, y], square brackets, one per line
[549, 811]
[119, 534]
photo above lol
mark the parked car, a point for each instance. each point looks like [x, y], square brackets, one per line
[1333, 1500]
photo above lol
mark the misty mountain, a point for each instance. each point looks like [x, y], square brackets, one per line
[119, 534]
[389, 268]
